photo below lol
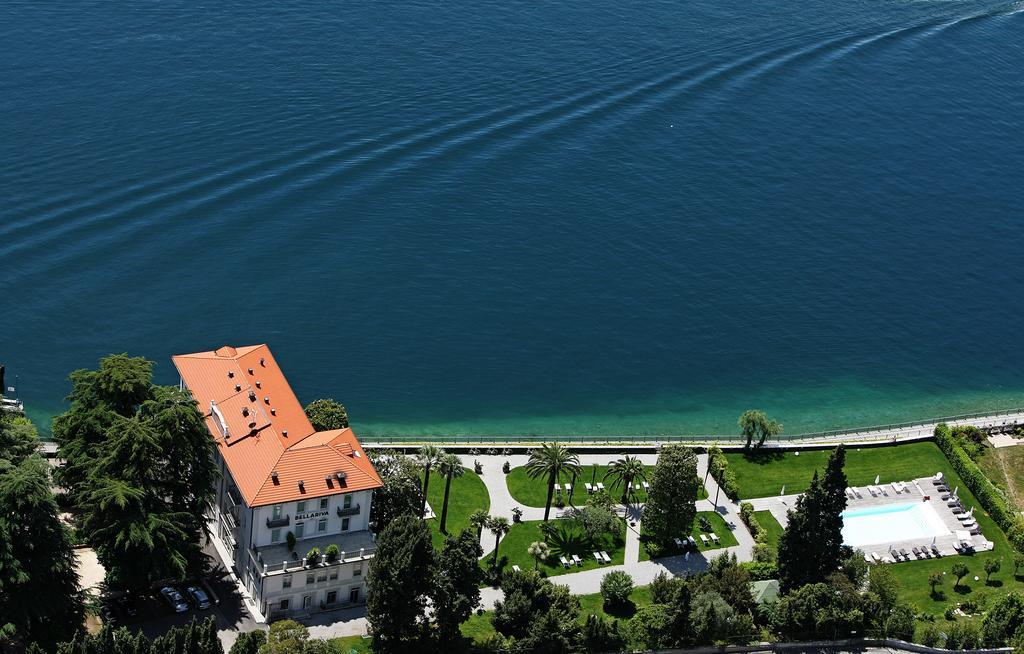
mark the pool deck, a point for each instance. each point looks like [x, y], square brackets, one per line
[917, 489]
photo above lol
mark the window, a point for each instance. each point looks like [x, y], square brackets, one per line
[353, 595]
[286, 581]
[284, 605]
[347, 502]
[344, 524]
[300, 529]
[309, 578]
[277, 511]
[357, 571]
[300, 507]
[334, 573]
[322, 576]
[275, 535]
[307, 601]
[332, 597]
[321, 525]
[323, 503]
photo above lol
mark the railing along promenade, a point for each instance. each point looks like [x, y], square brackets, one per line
[895, 432]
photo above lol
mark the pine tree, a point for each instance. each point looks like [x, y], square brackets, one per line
[398, 584]
[455, 590]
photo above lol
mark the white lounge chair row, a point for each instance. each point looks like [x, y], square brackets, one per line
[602, 557]
[571, 561]
[591, 488]
[705, 539]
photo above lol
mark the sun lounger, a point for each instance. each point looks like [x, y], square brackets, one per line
[568, 488]
[646, 486]
[516, 568]
[597, 555]
[937, 479]
[704, 539]
[957, 510]
[577, 560]
[944, 496]
[975, 530]
[714, 537]
[906, 554]
[558, 489]
[917, 552]
[875, 557]
[565, 562]
[895, 487]
[935, 551]
[607, 559]
[600, 486]
[873, 491]
[679, 543]
[925, 553]
[849, 493]
[867, 557]
[590, 489]
[692, 541]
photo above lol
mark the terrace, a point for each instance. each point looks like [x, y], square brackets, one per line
[277, 558]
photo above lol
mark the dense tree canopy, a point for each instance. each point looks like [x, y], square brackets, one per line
[327, 414]
[455, 591]
[400, 494]
[672, 499]
[399, 583]
[40, 599]
[139, 469]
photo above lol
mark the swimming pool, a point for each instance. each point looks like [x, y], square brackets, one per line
[891, 523]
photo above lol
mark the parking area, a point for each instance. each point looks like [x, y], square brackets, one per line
[154, 615]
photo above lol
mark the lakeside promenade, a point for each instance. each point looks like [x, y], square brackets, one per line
[995, 422]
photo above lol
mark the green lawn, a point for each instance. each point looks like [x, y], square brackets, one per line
[1005, 467]
[349, 644]
[765, 473]
[534, 492]
[467, 495]
[718, 525]
[772, 528]
[514, 544]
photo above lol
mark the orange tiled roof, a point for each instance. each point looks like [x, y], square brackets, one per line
[260, 429]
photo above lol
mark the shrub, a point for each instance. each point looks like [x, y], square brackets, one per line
[290, 538]
[478, 467]
[616, 587]
[760, 571]
[705, 524]
[930, 636]
[313, 556]
[331, 552]
[506, 467]
[517, 514]
[988, 495]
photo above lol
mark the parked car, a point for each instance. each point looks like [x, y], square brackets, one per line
[127, 606]
[198, 597]
[174, 599]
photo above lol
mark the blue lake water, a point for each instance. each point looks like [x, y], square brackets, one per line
[525, 217]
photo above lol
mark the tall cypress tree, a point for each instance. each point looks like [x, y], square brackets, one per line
[456, 587]
[672, 499]
[810, 548]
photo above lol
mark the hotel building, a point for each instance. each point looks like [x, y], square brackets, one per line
[281, 482]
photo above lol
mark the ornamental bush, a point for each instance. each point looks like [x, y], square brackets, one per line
[313, 556]
[331, 552]
[616, 587]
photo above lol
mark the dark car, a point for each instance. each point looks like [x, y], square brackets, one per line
[174, 598]
[126, 606]
[198, 597]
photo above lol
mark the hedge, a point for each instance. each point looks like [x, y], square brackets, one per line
[761, 571]
[987, 494]
[749, 519]
[718, 465]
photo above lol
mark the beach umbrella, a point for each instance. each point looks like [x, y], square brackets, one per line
[877, 477]
[783, 491]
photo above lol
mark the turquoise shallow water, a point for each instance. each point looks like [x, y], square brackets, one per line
[511, 218]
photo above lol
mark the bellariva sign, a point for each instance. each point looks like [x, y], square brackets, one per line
[311, 514]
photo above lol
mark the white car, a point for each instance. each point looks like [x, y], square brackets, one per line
[174, 598]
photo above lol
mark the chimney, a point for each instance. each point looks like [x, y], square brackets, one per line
[273, 477]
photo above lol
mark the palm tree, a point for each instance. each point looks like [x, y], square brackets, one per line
[499, 526]
[450, 466]
[479, 519]
[625, 471]
[427, 457]
[538, 549]
[551, 459]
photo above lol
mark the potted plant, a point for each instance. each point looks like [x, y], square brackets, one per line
[313, 557]
[291, 541]
[478, 467]
[506, 467]
[517, 514]
[331, 553]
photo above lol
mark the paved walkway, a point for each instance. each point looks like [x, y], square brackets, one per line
[643, 572]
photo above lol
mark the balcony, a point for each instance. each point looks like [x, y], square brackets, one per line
[277, 558]
[283, 521]
[352, 510]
